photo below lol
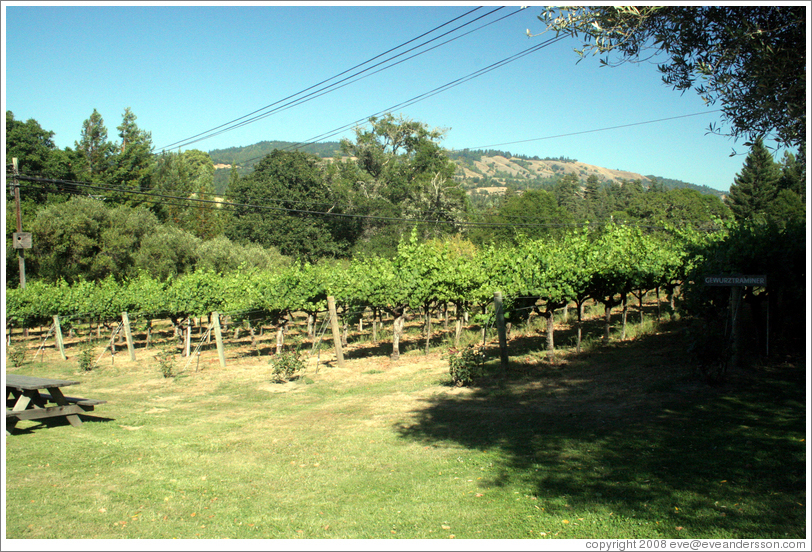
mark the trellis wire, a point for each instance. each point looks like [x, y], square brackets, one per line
[115, 333]
[197, 350]
[42, 344]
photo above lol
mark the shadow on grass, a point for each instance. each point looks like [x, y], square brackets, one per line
[627, 429]
[56, 422]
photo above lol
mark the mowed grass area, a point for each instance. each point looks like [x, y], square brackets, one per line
[618, 442]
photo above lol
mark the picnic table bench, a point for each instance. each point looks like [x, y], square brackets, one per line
[25, 400]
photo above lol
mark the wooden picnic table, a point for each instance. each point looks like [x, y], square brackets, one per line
[33, 398]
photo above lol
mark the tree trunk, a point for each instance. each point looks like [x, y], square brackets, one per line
[310, 323]
[428, 330]
[657, 291]
[457, 333]
[640, 303]
[550, 333]
[625, 304]
[375, 316]
[187, 344]
[607, 316]
[280, 336]
[149, 333]
[580, 313]
[253, 336]
[445, 316]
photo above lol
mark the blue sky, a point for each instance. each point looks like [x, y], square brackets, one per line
[187, 68]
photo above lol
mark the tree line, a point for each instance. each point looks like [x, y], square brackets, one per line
[156, 212]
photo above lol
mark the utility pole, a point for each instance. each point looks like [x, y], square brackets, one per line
[21, 240]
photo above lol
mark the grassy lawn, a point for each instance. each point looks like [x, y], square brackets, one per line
[618, 442]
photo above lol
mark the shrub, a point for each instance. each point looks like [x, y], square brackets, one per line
[285, 365]
[85, 356]
[166, 362]
[465, 365]
[16, 354]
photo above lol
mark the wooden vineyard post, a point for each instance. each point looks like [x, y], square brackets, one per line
[331, 305]
[60, 344]
[128, 335]
[188, 338]
[218, 338]
[500, 328]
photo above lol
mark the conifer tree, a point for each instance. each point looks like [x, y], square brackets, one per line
[94, 147]
[756, 186]
[131, 166]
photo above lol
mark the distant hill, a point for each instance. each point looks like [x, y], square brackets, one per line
[489, 171]
[245, 157]
[671, 183]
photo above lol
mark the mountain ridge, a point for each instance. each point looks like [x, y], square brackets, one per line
[489, 171]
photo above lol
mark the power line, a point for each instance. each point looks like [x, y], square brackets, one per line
[241, 122]
[425, 95]
[593, 130]
[333, 87]
[214, 204]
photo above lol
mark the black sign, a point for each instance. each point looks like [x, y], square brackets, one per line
[736, 280]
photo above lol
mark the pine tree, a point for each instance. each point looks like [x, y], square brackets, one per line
[94, 147]
[756, 186]
[131, 165]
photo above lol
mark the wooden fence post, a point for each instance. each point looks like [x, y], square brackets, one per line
[331, 305]
[128, 334]
[500, 328]
[59, 343]
[218, 338]
[187, 345]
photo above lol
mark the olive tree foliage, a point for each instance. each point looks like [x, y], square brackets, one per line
[84, 238]
[750, 59]
[88, 239]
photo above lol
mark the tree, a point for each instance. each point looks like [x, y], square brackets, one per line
[677, 207]
[756, 186]
[284, 203]
[34, 147]
[403, 172]
[749, 58]
[793, 174]
[187, 178]
[94, 148]
[131, 165]
[84, 238]
[569, 197]
[167, 252]
[37, 155]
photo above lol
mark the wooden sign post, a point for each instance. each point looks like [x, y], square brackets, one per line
[736, 283]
